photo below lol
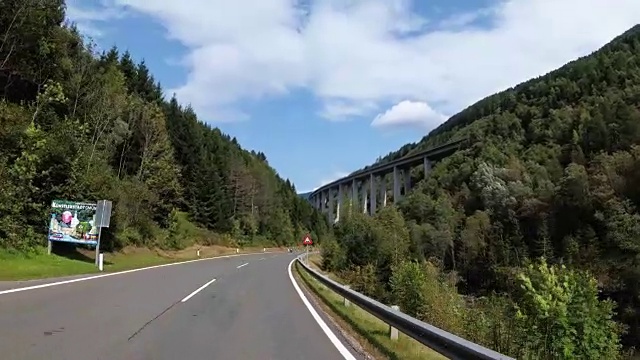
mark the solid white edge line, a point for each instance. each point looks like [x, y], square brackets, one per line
[34, 287]
[332, 337]
[198, 290]
[245, 264]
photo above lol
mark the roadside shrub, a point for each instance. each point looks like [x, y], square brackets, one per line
[422, 291]
[560, 315]
[333, 256]
[363, 279]
[444, 307]
[182, 232]
[491, 322]
[408, 287]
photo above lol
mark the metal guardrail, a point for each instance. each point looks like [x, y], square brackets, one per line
[447, 344]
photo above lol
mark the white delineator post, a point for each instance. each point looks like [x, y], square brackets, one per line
[393, 332]
[101, 261]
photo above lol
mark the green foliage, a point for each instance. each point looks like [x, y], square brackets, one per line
[364, 280]
[550, 169]
[333, 256]
[443, 306]
[408, 286]
[181, 232]
[563, 316]
[84, 126]
[491, 321]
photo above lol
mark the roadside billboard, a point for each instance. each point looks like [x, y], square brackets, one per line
[73, 222]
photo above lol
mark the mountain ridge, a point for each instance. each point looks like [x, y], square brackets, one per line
[459, 119]
[551, 170]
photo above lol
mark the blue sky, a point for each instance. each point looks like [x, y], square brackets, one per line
[324, 87]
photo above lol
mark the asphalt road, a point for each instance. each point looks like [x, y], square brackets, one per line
[250, 311]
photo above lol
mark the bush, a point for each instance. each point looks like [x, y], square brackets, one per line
[363, 279]
[333, 256]
[422, 291]
[491, 322]
[561, 316]
[408, 287]
[444, 307]
[182, 233]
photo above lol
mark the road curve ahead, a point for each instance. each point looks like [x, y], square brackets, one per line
[243, 307]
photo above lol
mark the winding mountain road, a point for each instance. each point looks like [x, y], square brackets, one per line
[241, 307]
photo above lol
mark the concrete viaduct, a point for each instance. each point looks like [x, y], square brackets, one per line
[364, 186]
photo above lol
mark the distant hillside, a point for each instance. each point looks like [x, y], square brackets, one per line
[305, 195]
[527, 91]
[552, 170]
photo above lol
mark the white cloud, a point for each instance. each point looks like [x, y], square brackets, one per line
[358, 54]
[91, 21]
[339, 110]
[409, 113]
[333, 177]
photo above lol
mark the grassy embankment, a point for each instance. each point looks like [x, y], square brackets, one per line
[370, 332]
[20, 266]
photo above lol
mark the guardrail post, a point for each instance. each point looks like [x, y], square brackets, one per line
[449, 345]
[393, 332]
[346, 301]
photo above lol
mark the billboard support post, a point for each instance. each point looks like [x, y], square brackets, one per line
[98, 245]
[103, 217]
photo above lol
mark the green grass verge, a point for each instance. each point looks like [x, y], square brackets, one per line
[368, 327]
[39, 265]
[18, 266]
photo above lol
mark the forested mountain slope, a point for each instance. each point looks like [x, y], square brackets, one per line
[83, 126]
[579, 81]
[552, 170]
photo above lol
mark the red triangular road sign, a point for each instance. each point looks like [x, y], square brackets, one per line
[307, 240]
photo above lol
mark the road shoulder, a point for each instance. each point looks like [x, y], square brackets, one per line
[364, 329]
[338, 326]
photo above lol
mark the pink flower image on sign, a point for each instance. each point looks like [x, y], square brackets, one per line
[66, 217]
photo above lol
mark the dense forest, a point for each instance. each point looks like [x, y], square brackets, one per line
[83, 125]
[538, 213]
